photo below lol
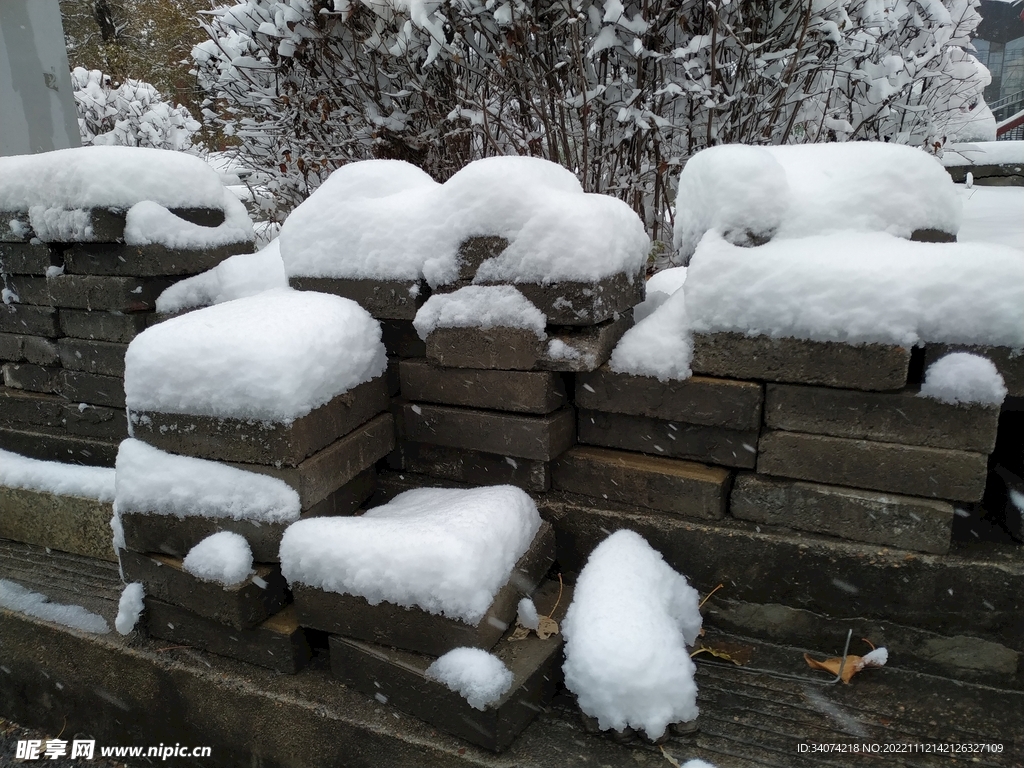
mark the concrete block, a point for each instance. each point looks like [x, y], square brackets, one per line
[27, 258]
[21, 348]
[39, 442]
[936, 473]
[257, 442]
[413, 629]
[583, 348]
[30, 408]
[989, 175]
[384, 299]
[530, 437]
[15, 227]
[799, 361]
[65, 523]
[28, 289]
[105, 358]
[401, 340]
[33, 378]
[105, 326]
[110, 294]
[670, 485]
[900, 417]
[698, 400]
[392, 377]
[576, 303]
[472, 467]
[1009, 362]
[517, 391]
[474, 251]
[81, 387]
[145, 260]
[26, 319]
[279, 643]
[671, 439]
[95, 421]
[876, 518]
[106, 225]
[398, 678]
[242, 606]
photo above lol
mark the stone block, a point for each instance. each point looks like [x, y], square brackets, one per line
[392, 377]
[586, 303]
[900, 417]
[258, 442]
[517, 391]
[989, 175]
[876, 518]
[697, 400]
[529, 437]
[30, 408]
[58, 521]
[472, 467]
[384, 299]
[21, 348]
[145, 260]
[27, 258]
[105, 326]
[401, 340]
[279, 643]
[671, 439]
[26, 319]
[39, 442]
[15, 227]
[105, 358]
[936, 473]
[29, 289]
[95, 421]
[91, 388]
[413, 629]
[33, 378]
[799, 361]
[241, 606]
[583, 348]
[670, 485]
[110, 294]
[106, 225]
[398, 679]
[1009, 362]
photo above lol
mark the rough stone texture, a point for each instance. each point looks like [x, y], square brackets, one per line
[413, 629]
[384, 299]
[589, 346]
[105, 326]
[936, 473]
[145, 260]
[24, 318]
[20, 407]
[1009, 363]
[81, 387]
[518, 391]
[110, 294]
[33, 378]
[658, 437]
[27, 258]
[279, 643]
[7, 234]
[40, 442]
[471, 467]
[799, 361]
[256, 442]
[697, 400]
[499, 348]
[575, 303]
[474, 251]
[399, 678]
[670, 485]
[30, 290]
[95, 421]
[18, 348]
[901, 417]
[66, 523]
[530, 437]
[401, 340]
[241, 606]
[105, 358]
[875, 518]
[992, 175]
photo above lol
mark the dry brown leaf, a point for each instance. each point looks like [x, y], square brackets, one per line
[736, 653]
[520, 633]
[547, 627]
[852, 667]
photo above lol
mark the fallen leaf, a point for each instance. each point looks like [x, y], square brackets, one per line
[520, 633]
[547, 627]
[735, 652]
[854, 664]
[672, 761]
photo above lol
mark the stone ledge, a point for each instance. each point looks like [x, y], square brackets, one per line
[62, 522]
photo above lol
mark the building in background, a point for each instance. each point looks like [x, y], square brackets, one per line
[1000, 46]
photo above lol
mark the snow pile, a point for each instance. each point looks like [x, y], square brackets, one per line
[961, 377]
[876, 658]
[626, 633]
[234, 278]
[15, 597]
[273, 357]
[660, 286]
[751, 194]
[149, 223]
[387, 220]
[857, 288]
[447, 551]
[993, 215]
[129, 607]
[223, 557]
[527, 614]
[18, 471]
[150, 480]
[481, 678]
[984, 153]
[660, 345]
[480, 306]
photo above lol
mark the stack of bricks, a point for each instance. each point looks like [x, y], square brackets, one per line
[70, 310]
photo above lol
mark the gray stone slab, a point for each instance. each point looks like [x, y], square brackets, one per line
[472, 467]
[530, 437]
[95, 421]
[670, 485]
[474, 251]
[109, 294]
[40, 442]
[21, 348]
[901, 417]
[578, 303]
[697, 400]
[27, 258]
[20, 407]
[105, 326]
[583, 348]
[33, 378]
[401, 340]
[384, 299]
[1009, 362]
[26, 319]
[511, 349]
[990, 175]
[14, 227]
[876, 518]
[106, 225]
[256, 442]
[29, 289]
[146, 260]
[413, 629]
[936, 473]
[671, 439]
[105, 358]
[81, 387]
[799, 361]
[58, 521]
[517, 391]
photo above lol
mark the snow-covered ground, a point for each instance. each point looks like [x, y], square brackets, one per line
[992, 215]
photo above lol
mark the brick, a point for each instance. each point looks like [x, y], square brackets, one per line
[896, 521]
[33, 378]
[671, 439]
[40, 442]
[26, 319]
[110, 294]
[401, 340]
[28, 258]
[105, 326]
[95, 421]
[80, 387]
[384, 299]
[670, 485]
[584, 348]
[256, 442]
[586, 303]
[146, 260]
[413, 629]
[20, 407]
[21, 348]
[30, 290]
[241, 606]
[398, 678]
[472, 467]
[901, 417]
[105, 358]
[799, 361]
[15, 227]
[697, 400]
[474, 251]
[58, 521]
[937, 473]
[518, 391]
[1008, 362]
[530, 437]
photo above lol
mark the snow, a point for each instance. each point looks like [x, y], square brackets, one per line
[660, 345]
[447, 551]
[386, 220]
[961, 377]
[660, 286]
[858, 288]
[481, 678]
[149, 223]
[152, 481]
[272, 357]
[245, 274]
[18, 471]
[15, 597]
[129, 607]
[223, 557]
[993, 215]
[626, 633]
[876, 658]
[480, 306]
[984, 153]
[527, 614]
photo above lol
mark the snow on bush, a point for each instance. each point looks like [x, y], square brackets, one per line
[480, 306]
[481, 678]
[18, 471]
[961, 377]
[129, 607]
[660, 345]
[15, 597]
[223, 557]
[626, 633]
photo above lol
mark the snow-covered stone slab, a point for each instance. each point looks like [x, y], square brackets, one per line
[52, 444]
[991, 163]
[95, 421]
[23, 318]
[383, 299]
[1008, 361]
[106, 225]
[92, 388]
[471, 467]
[399, 679]
[32, 378]
[519, 391]
[27, 258]
[20, 407]
[585, 303]
[146, 260]
[401, 340]
[105, 358]
[15, 227]
[1001, 175]
[22, 348]
[105, 326]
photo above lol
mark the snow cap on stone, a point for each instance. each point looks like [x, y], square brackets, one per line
[961, 377]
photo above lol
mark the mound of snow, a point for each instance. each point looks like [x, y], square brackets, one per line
[18, 471]
[480, 306]
[15, 597]
[149, 223]
[481, 678]
[961, 377]
[129, 607]
[223, 557]
[660, 345]
[659, 287]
